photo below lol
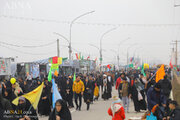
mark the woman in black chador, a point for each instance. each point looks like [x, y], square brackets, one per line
[44, 103]
[60, 112]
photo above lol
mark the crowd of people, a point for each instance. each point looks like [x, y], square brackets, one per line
[146, 94]
[85, 86]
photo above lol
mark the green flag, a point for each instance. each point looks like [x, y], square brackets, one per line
[82, 58]
[64, 59]
[50, 75]
[74, 78]
[131, 65]
[142, 71]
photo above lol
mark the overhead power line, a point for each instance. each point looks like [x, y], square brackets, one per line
[15, 45]
[83, 23]
[27, 52]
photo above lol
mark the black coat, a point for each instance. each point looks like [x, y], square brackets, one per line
[166, 87]
[4, 103]
[175, 115]
[87, 93]
[31, 112]
[61, 82]
[44, 104]
[64, 113]
[138, 105]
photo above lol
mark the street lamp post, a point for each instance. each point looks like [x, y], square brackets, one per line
[70, 33]
[136, 50]
[117, 56]
[58, 53]
[119, 49]
[117, 52]
[101, 46]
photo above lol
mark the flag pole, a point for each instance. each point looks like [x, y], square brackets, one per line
[29, 109]
[153, 75]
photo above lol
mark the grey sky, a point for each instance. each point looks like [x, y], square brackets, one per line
[154, 39]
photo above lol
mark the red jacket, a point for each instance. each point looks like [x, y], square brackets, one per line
[119, 115]
[118, 82]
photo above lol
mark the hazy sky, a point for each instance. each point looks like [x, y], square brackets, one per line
[148, 23]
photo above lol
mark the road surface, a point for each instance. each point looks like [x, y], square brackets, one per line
[98, 111]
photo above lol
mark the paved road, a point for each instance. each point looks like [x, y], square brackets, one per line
[98, 111]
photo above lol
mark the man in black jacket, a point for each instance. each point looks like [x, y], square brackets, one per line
[165, 86]
[174, 113]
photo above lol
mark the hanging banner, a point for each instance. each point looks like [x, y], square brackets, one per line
[60, 60]
[34, 69]
[55, 66]
[5, 67]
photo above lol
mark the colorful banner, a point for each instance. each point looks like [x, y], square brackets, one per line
[5, 67]
[34, 69]
[55, 66]
[60, 60]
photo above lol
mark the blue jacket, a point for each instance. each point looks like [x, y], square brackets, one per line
[154, 98]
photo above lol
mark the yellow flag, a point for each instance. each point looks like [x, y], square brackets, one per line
[32, 96]
[59, 60]
[160, 73]
[79, 57]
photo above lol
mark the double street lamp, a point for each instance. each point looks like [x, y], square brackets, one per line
[102, 36]
[70, 33]
[117, 52]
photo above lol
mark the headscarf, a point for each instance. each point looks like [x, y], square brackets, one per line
[64, 112]
[116, 106]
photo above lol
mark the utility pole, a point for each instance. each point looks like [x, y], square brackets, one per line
[127, 58]
[118, 62]
[58, 52]
[176, 52]
[102, 36]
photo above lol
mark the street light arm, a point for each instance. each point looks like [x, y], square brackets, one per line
[107, 32]
[131, 46]
[80, 16]
[104, 35]
[94, 46]
[137, 49]
[71, 30]
[114, 51]
[122, 43]
[62, 36]
[176, 5]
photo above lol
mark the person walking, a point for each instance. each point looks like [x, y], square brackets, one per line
[116, 111]
[87, 92]
[138, 96]
[60, 112]
[78, 89]
[69, 94]
[125, 91]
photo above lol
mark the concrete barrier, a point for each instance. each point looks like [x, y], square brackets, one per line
[176, 87]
